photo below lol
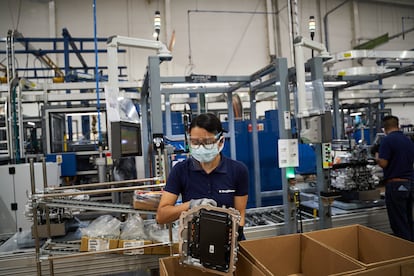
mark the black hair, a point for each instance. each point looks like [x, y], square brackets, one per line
[209, 122]
[390, 121]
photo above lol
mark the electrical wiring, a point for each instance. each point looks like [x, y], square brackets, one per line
[19, 11]
[189, 68]
[241, 38]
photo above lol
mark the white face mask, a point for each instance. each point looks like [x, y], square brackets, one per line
[203, 155]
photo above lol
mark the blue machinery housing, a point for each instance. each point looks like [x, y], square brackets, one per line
[268, 135]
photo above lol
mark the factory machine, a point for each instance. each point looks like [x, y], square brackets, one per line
[354, 179]
[327, 183]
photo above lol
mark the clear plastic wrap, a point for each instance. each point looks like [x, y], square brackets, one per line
[133, 228]
[160, 233]
[105, 226]
[20, 240]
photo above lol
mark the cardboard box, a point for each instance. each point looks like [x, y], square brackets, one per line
[56, 230]
[164, 249]
[144, 200]
[170, 266]
[386, 270]
[296, 254]
[97, 244]
[133, 243]
[244, 267]
[369, 247]
[156, 250]
[405, 268]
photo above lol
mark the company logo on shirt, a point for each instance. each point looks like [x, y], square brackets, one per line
[226, 191]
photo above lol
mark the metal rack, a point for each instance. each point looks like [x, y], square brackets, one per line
[374, 217]
[57, 197]
[4, 133]
[273, 79]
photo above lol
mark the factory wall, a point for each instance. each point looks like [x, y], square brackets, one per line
[231, 37]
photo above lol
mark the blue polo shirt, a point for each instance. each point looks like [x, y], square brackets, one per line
[398, 149]
[229, 179]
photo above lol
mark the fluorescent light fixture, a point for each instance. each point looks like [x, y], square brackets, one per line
[325, 83]
[31, 123]
[333, 83]
[356, 114]
[201, 85]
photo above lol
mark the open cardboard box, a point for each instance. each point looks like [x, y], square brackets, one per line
[244, 267]
[369, 247]
[404, 268]
[170, 266]
[296, 254]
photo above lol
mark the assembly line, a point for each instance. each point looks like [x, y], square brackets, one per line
[179, 174]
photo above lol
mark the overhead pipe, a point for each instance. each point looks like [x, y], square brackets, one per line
[270, 29]
[98, 100]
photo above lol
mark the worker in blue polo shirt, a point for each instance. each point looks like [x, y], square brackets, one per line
[207, 177]
[396, 157]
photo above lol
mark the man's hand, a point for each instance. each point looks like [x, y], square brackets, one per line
[202, 201]
[375, 149]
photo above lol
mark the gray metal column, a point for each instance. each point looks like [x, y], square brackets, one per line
[337, 114]
[168, 123]
[371, 122]
[231, 129]
[283, 102]
[146, 124]
[256, 158]
[322, 175]
[155, 94]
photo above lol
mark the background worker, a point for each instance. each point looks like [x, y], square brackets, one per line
[207, 177]
[396, 157]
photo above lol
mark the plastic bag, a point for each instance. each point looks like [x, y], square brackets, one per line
[20, 240]
[105, 226]
[133, 229]
[160, 233]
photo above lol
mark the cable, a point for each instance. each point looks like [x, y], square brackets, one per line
[190, 67]
[95, 40]
[241, 38]
[11, 13]
[25, 74]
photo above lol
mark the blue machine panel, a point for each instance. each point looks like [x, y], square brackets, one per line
[357, 135]
[68, 162]
[176, 121]
[307, 160]
[270, 173]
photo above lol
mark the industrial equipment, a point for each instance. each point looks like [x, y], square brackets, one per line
[353, 167]
[16, 190]
[126, 139]
[208, 238]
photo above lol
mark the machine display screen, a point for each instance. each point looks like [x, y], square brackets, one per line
[130, 140]
[126, 139]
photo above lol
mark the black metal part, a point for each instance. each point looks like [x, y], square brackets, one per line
[210, 239]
